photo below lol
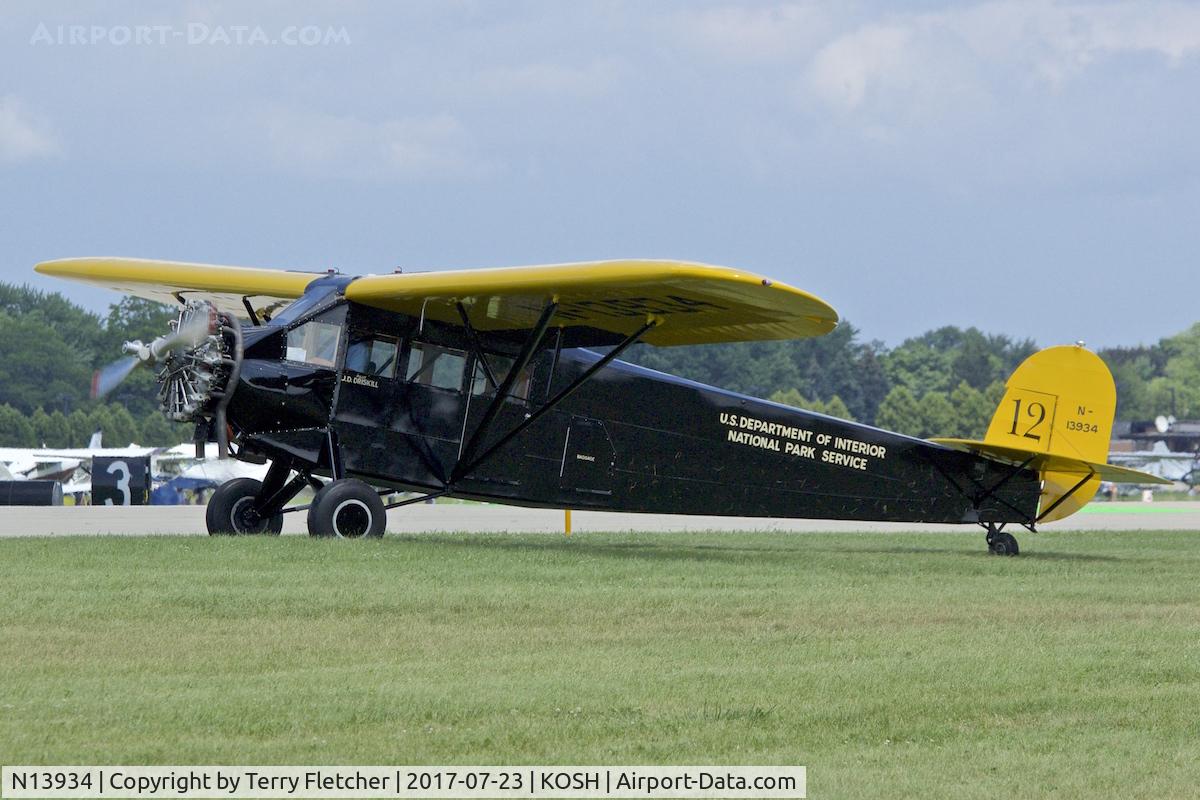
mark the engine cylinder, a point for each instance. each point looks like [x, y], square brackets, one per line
[194, 380]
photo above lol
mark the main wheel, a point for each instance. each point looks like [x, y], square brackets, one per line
[347, 509]
[1004, 544]
[231, 510]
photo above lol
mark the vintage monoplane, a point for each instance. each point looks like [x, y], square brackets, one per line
[505, 385]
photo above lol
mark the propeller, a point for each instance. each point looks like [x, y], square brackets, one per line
[189, 332]
[110, 376]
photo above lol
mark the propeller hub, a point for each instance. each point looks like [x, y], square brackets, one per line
[136, 348]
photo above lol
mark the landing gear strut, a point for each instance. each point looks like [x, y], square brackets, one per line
[1000, 543]
[233, 510]
[244, 506]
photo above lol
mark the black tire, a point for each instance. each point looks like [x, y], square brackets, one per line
[316, 495]
[347, 509]
[1004, 544]
[231, 511]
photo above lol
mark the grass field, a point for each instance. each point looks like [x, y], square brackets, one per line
[890, 665]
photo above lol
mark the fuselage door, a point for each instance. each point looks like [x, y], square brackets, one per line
[588, 457]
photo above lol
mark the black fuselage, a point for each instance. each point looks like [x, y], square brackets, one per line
[629, 439]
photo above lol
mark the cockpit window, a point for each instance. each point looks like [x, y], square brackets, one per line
[314, 343]
[372, 355]
[430, 365]
[501, 365]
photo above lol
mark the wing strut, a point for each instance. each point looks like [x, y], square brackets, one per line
[510, 380]
[487, 368]
[250, 311]
[554, 362]
[465, 467]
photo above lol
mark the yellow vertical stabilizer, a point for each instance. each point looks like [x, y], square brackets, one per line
[1060, 402]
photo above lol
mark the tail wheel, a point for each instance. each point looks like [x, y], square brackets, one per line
[232, 510]
[1003, 544]
[347, 509]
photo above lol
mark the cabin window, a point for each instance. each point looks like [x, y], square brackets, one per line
[372, 355]
[500, 368]
[314, 343]
[442, 367]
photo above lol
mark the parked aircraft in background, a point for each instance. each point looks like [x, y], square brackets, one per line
[71, 466]
[1161, 461]
[207, 471]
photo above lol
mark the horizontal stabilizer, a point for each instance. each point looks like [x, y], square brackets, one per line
[1049, 462]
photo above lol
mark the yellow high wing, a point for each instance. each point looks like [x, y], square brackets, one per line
[170, 281]
[694, 303]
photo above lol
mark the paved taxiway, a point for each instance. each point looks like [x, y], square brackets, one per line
[189, 520]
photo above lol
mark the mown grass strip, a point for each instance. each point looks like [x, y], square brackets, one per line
[889, 664]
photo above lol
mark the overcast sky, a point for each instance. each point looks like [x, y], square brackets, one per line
[1032, 168]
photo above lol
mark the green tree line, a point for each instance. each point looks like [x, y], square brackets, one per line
[1160, 379]
[946, 382]
[49, 348]
[56, 429]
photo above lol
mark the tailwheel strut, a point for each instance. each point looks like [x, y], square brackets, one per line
[1000, 542]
